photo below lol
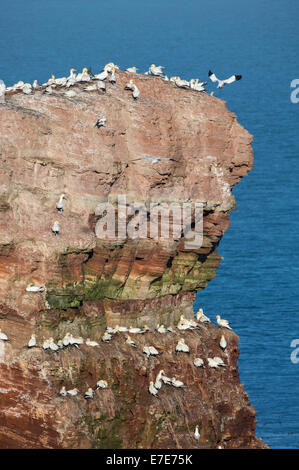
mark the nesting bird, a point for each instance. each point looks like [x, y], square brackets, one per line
[63, 392]
[150, 351]
[112, 78]
[152, 389]
[212, 363]
[219, 361]
[200, 316]
[100, 122]
[33, 288]
[198, 362]
[102, 384]
[89, 393]
[56, 228]
[32, 341]
[223, 342]
[136, 92]
[182, 346]
[177, 383]
[27, 89]
[3, 336]
[161, 329]
[130, 342]
[60, 203]
[156, 70]
[48, 90]
[70, 94]
[73, 392]
[91, 343]
[196, 434]
[2, 89]
[223, 323]
[129, 85]
[101, 85]
[107, 337]
[132, 69]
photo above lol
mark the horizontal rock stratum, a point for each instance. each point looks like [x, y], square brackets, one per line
[49, 145]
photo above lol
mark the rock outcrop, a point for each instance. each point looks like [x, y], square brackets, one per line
[49, 145]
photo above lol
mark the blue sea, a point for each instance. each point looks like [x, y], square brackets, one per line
[257, 283]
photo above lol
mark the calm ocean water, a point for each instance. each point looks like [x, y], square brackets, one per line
[257, 284]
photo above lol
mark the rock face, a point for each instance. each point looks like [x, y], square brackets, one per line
[49, 145]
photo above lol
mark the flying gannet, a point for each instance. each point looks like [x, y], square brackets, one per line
[131, 69]
[32, 288]
[107, 337]
[32, 341]
[89, 393]
[196, 434]
[221, 83]
[73, 392]
[198, 362]
[177, 383]
[3, 336]
[60, 203]
[102, 384]
[63, 392]
[223, 323]
[223, 342]
[100, 122]
[156, 70]
[152, 389]
[56, 228]
[136, 92]
[182, 347]
[91, 343]
[130, 342]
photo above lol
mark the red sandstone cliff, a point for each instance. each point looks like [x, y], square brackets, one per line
[49, 145]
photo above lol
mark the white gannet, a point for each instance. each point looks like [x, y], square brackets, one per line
[182, 326]
[3, 336]
[102, 384]
[200, 316]
[170, 329]
[66, 339]
[63, 392]
[177, 383]
[51, 81]
[60, 203]
[89, 393]
[221, 83]
[182, 347]
[166, 379]
[212, 363]
[107, 337]
[53, 346]
[156, 70]
[71, 81]
[73, 392]
[152, 389]
[70, 94]
[223, 342]
[158, 382]
[91, 343]
[48, 90]
[112, 78]
[100, 122]
[92, 87]
[27, 89]
[165, 78]
[219, 361]
[150, 351]
[199, 86]
[32, 341]
[61, 81]
[60, 344]
[111, 330]
[122, 329]
[2, 89]
[76, 341]
[146, 329]
[109, 67]
[101, 85]
[161, 329]
[198, 362]
[181, 83]
[223, 323]
[32, 288]
[136, 92]
[72, 75]
[135, 330]
[83, 77]
[56, 228]
[101, 76]
[154, 159]
[196, 434]
[129, 85]
[46, 344]
[131, 69]
[130, 342]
